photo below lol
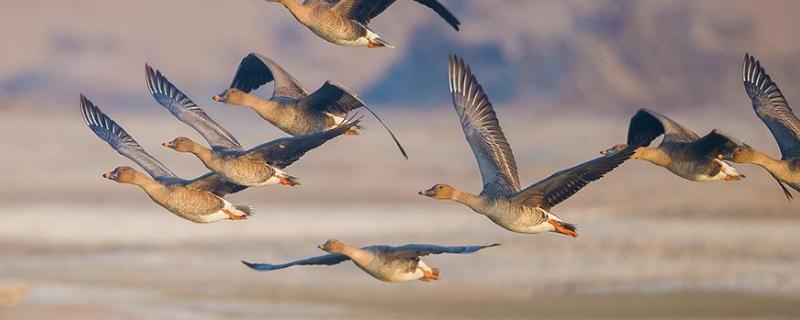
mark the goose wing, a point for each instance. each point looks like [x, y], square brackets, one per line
[365, 10]
[215, 184]
[482, 130]
[562, 185]
[188, 112]
[418, 250]
[712, 145]
[108, 130]
[256, 70]
[282, 152]
[650, 123]
[770, 105]
[338, 100]
[326, 260]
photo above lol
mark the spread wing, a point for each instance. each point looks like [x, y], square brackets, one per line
[327, 260]
[564, 184]
[283, 152]
[482, 130]
[332, 98]
[256, 70]
[651, 123]
[770, 105]
[713, 144]
[108, 130]
[365, 10]
[418, 250]
[215, 184]
[338, 100]
[183, 108]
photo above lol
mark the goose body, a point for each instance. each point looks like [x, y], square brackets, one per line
[385, 263]
[682, 151]
[292, 109]
[258, 166]
[502, 200]
[199, 200]
[344, 22]
[771, 107]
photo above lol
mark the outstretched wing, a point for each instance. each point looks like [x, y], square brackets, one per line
[651, 123]
[713, 144]
[282, 152]
[418, 250]
[770, 105]
[365, 10]
[256, 70]
[215, 184]
[564, 184]
[108, 130]
[338, 100]
[327, 260]
[482, 130]
[188, 112]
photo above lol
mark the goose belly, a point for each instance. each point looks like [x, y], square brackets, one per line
[695, 170]
[336, 30]
[193, 205]
[520, 219]
[395, 270]
[245, 172]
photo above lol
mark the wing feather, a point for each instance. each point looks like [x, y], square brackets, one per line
[108, 130]
[482, 130]
[256, 70]
[327, 260]
[188, 112]
[771, 106]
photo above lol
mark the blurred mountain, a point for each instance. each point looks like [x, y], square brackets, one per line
[599, 55]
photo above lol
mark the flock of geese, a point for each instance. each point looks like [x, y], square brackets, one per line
[313, 118]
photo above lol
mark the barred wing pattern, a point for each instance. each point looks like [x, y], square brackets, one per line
[108, 130]
[770, 105]
[482, 130]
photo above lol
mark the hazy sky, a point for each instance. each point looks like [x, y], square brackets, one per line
[600, 55]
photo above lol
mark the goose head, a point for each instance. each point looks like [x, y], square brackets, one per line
[439, 191]
[332, 246]
[742, 154]
[180, 144]
[231, 96]
[122, 174]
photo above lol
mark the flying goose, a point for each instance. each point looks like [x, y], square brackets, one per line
[258, 166]
[199, 200]
[291, 108]
[385, 263]
[502, 200]
[345, 22]
[770, 105]
[682, 151]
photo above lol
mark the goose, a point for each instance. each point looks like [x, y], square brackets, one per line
[258, 166]
[345, 22]
[385, 263]
[502, 200]
[291, 108]
[199, 200]
[771, 106]
[682, 151]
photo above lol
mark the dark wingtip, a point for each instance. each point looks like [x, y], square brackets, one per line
[252, 266]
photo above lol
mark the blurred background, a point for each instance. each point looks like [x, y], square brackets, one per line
[564, 76]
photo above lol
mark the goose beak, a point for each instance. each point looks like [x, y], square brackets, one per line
[320, 247]
[428, 193]
[110, 175]
[218, 98]
[167, 144]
